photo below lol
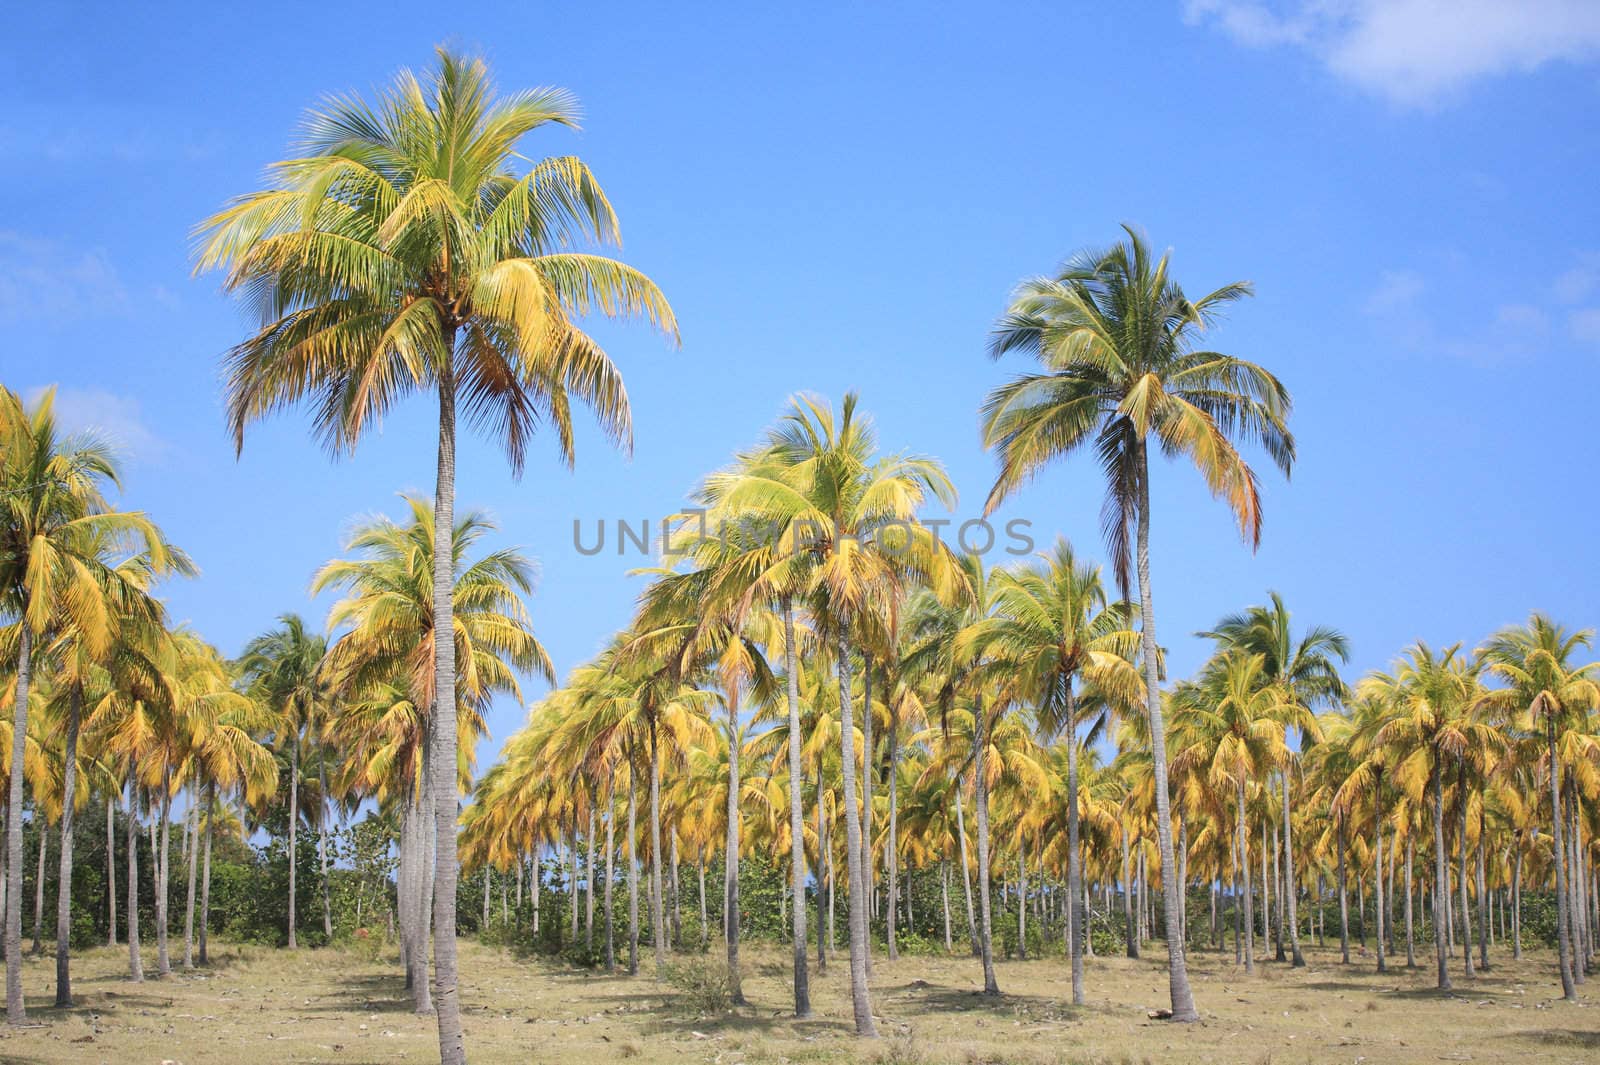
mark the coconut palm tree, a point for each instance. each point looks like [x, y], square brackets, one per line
[1115, 337]
[401, 250]
[1056, 631]
[56, 532]
[1545, 689]
[1307, 670]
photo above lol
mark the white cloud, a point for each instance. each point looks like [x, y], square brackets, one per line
[117, 420]
[1397, 290]
[1575, 285]
[43, 279]
[1415, 52]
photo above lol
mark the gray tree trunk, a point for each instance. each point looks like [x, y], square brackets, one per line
[855, 872]
[611, 850]
[658, 927]
[205, 875]
[69, 792]
[966, 877]
[1441, 883]
[633, 868]
[163, 959]
[111, 870]
[16, 1012]
[891, 855]
[294, 821]
[980, 802]
[1183, 1008]
[797, 840]
[322, 849]
[1249, 897]
[1075, 935]
[38, 888]
[442, 725]
[192, 817]
[731, 866]
[135, 963]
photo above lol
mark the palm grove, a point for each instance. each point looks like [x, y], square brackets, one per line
[835, 715]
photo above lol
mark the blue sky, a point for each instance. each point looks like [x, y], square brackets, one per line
[841, 199]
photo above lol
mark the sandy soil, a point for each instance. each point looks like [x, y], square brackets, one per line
[259, 1005]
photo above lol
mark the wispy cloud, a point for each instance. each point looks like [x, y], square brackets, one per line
[40, 278]
[1414, 52]
[116, 419]
[1400, 304]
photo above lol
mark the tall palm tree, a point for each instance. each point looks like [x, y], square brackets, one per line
[1307, 670]
[845, 516]
[1115, 338]
[1055, 628]
[1544, 688]
[401, 251]
[284, 664]
[55, 528]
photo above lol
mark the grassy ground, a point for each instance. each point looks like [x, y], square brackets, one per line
[260, 1005]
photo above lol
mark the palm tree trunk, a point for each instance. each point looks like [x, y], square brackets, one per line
[980, 802]
[16, 1012]
[1249, 897]
[633, 869]
[1377, 867]
[1074, 853]
[163, 960]
[824, 875]
[135, 963]
[1441, 883]
[869, 881]
[1461, 873]
[797, 842]
[611, 850]
[731, 866]
[69, 791]
[1411, 942]
[1128, 932]
[442, 725]
[111, 870]
[192, 817]
[1022, 900]
[1291, 893]
[705, 927]
[1485, 907]
[1344, 897]
[1516, 899]
[588, 883]
[205, 875]
[966, 876]
[891, 855]
[38, 888]
[944, 893]
[1182, 996]
[322, 849]
[1266, 901]
[855, 873]
[294, 821]
[658, 928]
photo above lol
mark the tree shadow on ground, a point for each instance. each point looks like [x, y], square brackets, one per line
[377, 993]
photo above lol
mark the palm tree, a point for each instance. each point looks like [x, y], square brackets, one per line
[284, 665]
[1307, 671]
[1056, 631]
[1543, 686]
[844, 515]
[1114, 335]
[55, 529]
[399, 252]
[383, 663]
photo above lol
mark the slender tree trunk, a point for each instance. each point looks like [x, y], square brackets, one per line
[1516, 899]
[1291, 893]
[797, 841]
[966, 876]
[1249, 898]
[135, 963]
[588, 885]
[1183, 1008]
[1377, 867]
[611, 850]
[855, 871]
[1411, 942]
[869, 868]
[1075, 935]
[572, 878]
[980, 751]
[322, 849]
[731, 866]
[38, 889]
[205, 875]
[163, 959]
[69, 792]
[1569, 990]
[1344, 898]
[294, 819]
[1022, 900]
[111, 870]
[824, 872]
[658, 926]
[1461, 874]
[1266, 900]
[192, 885]
[442, 725]
[16, 1012]
[891, 852]
[1485, 906]
[944, 891]
[705, 918]
[1441, 883]
[1129, 933]
[633, 869]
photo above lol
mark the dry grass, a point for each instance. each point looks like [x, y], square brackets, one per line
[257, 1005]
